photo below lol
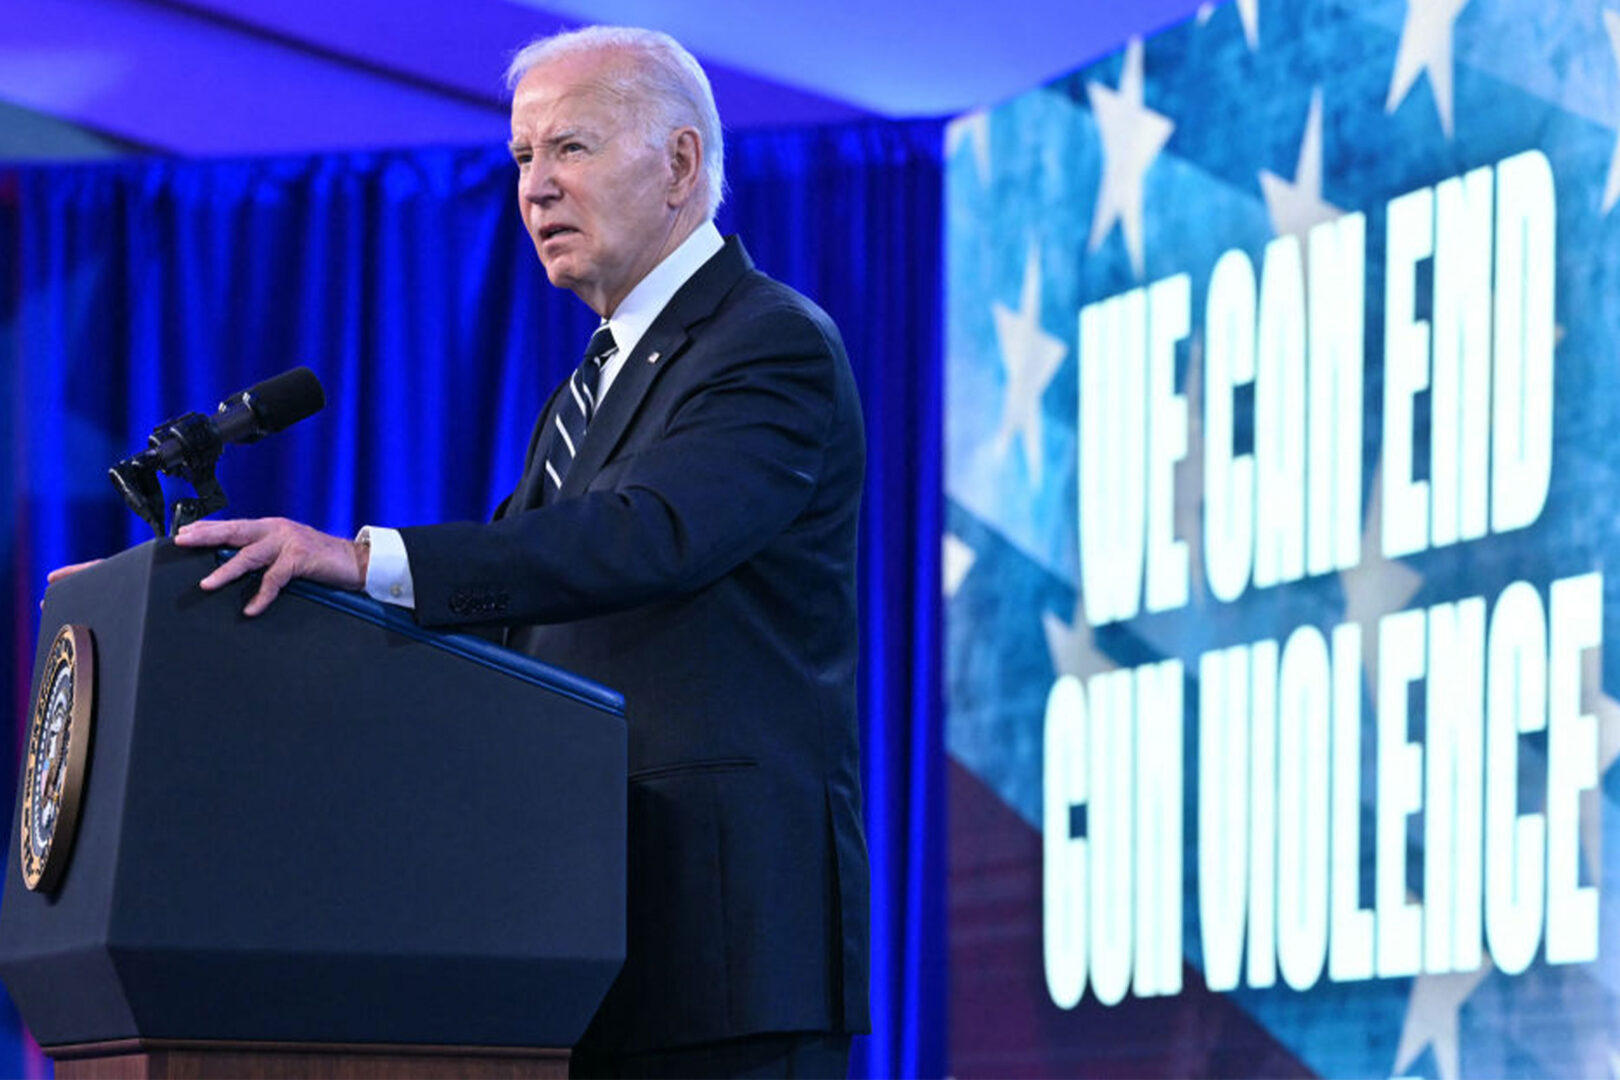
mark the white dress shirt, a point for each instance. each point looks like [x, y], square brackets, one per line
[388, 574]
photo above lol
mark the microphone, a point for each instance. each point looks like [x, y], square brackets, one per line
[189, 446]
[248, 416]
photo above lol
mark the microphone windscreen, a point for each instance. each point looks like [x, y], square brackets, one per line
[286, 398]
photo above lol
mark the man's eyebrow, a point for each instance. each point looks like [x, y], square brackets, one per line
[549, 140]
[563, 135]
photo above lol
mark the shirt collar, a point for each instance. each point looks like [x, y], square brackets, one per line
[635, 314]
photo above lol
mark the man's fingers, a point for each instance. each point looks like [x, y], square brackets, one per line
[249, 559]
[66, 571]
[269, 589]
[204, 534]
[282, 549]
[237, 532]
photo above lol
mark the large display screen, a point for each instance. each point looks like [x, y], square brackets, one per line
[1283, 436]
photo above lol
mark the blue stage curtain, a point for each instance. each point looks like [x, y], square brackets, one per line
[133, 291]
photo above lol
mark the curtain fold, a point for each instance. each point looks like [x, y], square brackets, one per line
[132, 291]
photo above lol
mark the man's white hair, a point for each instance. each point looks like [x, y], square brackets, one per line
[668, 89]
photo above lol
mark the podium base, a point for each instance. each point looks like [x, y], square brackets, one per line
[176, 1059]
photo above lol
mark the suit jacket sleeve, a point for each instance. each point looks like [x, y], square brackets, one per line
[724, 454]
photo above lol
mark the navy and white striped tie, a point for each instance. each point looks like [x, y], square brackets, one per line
[578, 406]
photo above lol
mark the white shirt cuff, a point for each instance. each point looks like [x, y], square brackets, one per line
[388, 575]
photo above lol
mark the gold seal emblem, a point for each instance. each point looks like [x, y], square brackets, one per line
[58, 748]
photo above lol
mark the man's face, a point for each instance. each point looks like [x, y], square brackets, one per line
[599, 202]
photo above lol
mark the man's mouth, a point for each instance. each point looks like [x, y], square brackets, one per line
[548, 232]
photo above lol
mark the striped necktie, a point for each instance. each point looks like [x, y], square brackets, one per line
[578, 406]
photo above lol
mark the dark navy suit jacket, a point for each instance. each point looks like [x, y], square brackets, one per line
[700, 559]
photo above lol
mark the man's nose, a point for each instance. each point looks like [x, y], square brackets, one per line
[539, 185]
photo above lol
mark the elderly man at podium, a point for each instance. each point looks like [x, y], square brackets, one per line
[684, 532]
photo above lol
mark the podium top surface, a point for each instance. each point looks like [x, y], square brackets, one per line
[468, 646]
[389, 617]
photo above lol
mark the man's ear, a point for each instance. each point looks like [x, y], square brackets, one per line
[685, 149]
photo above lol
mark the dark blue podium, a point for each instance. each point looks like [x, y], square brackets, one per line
[321, 840]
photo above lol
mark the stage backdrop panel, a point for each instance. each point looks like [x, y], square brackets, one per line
[1282, 478]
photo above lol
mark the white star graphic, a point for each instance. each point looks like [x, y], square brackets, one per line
[1426, 46]
[1071, 645]
[1611, 190]
[1031, 357]
[1249, 12]
[1607, 712]
[972, 128]
[1132, 136]
[1297, 207]
[1431, 1018]
[957, 560]
[1375, 586]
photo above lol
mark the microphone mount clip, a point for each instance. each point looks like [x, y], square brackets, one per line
[187, 447]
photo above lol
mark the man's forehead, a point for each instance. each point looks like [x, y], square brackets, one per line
[590, 72]
[548, 104]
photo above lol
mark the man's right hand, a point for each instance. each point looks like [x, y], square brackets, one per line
[283, 550]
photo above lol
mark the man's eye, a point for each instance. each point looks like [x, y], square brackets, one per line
[573, 148]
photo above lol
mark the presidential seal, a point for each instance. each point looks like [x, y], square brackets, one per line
[58, 749]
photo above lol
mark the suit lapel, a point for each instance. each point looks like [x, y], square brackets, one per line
[653, 354]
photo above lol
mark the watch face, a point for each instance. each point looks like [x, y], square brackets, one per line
[58, 748]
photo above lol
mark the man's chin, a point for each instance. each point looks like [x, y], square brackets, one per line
[557, 273]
